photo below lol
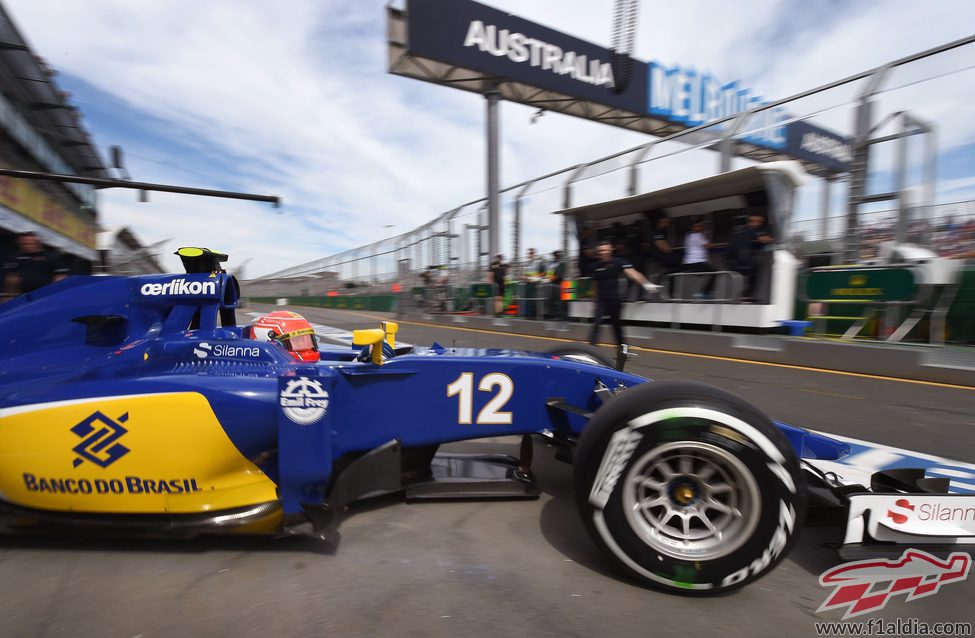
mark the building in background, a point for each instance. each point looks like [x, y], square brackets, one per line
[121, 253]
[41, 131]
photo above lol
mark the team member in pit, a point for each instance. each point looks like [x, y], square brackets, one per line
[606, 272]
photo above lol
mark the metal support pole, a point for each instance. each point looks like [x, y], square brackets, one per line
[571, 264]
[478, 229]
[858, 180]
[516, 232]
[566, 233]
[727, 143]
[479, 243]
[900, 183]
[450, 253]
[859, 163]
[928, 175]
[493, 165]
[824, 202]
[634, 181]
[142, 186]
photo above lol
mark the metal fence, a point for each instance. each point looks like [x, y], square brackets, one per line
[452, 245]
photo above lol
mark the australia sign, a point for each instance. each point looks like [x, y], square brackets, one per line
[494, 44]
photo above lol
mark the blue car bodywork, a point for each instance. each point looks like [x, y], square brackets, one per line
[87, 338]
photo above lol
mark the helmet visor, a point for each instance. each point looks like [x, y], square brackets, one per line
[301, 342]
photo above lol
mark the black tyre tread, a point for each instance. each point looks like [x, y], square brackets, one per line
[638, 400]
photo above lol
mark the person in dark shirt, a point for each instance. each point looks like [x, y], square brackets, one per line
[606, 273]
[556, 275]
[499, 271]
[587, 250]
[32, 267]
[752, 242]
[661, 252]
[758, 235]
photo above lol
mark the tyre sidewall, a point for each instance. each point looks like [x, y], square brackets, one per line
[776, 475]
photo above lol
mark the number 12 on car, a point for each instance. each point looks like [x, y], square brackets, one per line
[491, 414]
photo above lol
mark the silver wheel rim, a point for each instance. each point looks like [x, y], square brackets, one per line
[691, 500]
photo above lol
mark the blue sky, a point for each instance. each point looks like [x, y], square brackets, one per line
[293, 99]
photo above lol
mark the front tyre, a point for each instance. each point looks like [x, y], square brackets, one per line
[687, 487]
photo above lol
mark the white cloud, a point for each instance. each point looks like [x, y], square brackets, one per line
[296, 98]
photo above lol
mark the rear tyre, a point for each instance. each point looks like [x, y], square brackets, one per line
[688, 488]
[584, 353]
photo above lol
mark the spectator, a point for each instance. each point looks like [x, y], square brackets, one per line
[696, 255]
[556, 275]
[606, 272]
[661, 252]
[587, 250]
[533, 275]
[756, 239]
[968, 254]
[617, 234]
[632, 250]
[534, 266]
[739, 256]
[32, 267]
[748, 245]
[499, 272]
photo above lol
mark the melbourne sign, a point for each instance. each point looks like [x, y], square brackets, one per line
[469, 35]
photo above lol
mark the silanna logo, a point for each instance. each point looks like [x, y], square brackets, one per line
[99, 444]
[204, 350]
[179, 286]
[868, 585]
[903, 511]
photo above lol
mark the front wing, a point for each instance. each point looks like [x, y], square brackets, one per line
[875, 521]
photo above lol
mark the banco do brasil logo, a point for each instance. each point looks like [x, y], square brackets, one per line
[99, 440]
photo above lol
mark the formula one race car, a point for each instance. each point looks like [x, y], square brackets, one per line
[138, 405]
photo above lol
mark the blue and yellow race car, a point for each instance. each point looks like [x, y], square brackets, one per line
[139, 405]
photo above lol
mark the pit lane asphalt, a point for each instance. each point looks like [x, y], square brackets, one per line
[478, 568]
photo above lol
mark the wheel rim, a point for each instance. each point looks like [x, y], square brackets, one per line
[691, 500]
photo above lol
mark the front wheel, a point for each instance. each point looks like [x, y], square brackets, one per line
[688, 488]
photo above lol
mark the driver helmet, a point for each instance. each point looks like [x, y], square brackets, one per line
[290, 330]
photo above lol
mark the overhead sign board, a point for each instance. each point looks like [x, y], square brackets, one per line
[474, 36]
[501, 47]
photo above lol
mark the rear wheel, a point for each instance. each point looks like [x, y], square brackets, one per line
[688, 488]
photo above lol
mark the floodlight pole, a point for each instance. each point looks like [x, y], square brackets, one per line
[824, 206]
[493, 165]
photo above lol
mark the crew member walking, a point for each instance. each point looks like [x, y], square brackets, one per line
[607, 270]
